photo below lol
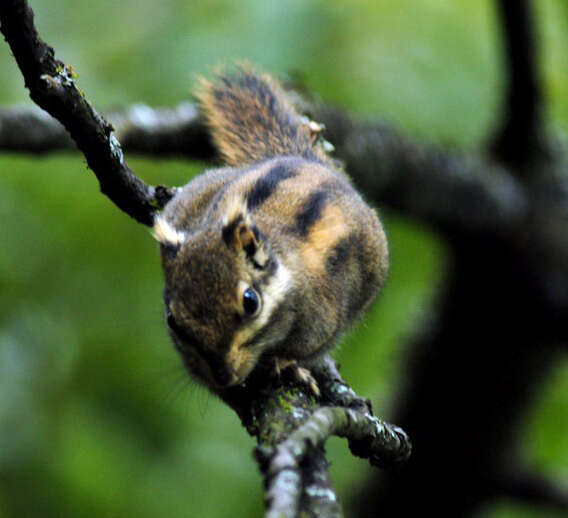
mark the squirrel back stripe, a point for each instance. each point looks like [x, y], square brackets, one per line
[251, 119]
[267, 184]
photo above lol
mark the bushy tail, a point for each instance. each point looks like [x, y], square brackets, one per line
[251, 119]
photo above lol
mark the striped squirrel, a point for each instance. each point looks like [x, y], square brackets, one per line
[269, 259]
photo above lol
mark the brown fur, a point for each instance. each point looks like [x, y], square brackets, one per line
[284, 224]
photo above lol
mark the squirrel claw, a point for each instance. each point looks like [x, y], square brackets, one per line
[299, 374]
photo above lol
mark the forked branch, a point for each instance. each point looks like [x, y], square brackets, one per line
[292, 429]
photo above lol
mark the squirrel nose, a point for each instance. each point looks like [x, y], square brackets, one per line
[224, 376]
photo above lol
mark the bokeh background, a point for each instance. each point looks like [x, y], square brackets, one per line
[97, 417]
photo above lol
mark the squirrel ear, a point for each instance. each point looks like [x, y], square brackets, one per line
[243, 236]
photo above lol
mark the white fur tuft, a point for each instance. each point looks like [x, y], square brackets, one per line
[166, 234]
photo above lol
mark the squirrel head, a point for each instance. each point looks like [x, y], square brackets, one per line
[223, 284]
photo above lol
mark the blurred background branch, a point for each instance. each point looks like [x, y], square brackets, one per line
[520, 137]
[535, 489]
[141, 129]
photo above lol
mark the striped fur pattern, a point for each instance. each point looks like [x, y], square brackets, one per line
[281, 223]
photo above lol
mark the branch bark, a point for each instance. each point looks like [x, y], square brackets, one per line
[292, 428]
[386, 445]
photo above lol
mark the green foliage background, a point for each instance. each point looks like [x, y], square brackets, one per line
[97, 417]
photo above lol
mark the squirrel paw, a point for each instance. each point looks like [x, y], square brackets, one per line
[299, 374]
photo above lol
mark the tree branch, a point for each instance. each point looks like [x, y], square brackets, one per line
[52, 87]
[292, 429]
[176, 131]
[31, 130]
[533, 489]
[386, 445]
[477, 195]
[520, 137]
[456, 192]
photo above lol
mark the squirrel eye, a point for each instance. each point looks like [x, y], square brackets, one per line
[251, 302]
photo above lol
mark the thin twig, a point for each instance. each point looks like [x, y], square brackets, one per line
[52, 87]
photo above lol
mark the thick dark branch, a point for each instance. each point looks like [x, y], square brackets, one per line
[533, 489]
[467, 197]
[52, 87]
[520, 137]
[456, 192]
